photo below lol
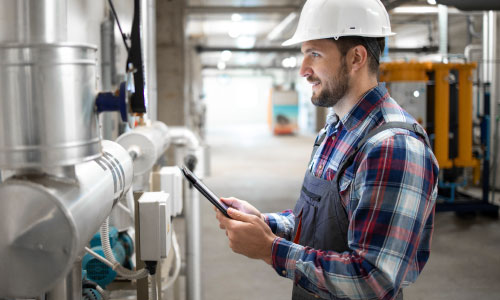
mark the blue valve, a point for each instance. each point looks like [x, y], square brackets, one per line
[110, 102]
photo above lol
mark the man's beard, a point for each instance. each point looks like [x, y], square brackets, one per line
[333, 90]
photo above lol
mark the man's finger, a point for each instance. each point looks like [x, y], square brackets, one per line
[240, 216]
[229, 201]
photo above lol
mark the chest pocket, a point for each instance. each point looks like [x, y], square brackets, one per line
[346, 179]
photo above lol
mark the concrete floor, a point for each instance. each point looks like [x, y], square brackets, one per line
[249, 163]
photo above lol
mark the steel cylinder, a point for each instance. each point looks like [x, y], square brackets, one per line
[47, 115]
[45, 221]
[148, 143]
[33, 21]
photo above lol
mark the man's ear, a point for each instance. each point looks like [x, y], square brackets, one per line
[358, 58]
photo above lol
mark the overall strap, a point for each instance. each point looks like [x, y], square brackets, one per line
[321, 137]
[417, 129]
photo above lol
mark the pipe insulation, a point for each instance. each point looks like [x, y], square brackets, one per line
[33, 21]
[46, 221]
[147, 143]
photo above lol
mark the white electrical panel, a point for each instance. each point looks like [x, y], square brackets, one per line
[169, 179]
[155, 227]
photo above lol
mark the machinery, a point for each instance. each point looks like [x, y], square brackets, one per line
[440, 97]
[81, 216]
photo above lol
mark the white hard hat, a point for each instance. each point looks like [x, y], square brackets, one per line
[321, 19]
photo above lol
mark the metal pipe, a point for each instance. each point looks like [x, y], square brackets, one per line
[471, 48]
[193, 244]
[70, 287]
[148, 143]
[443, 30]
[33, 21]
[271, 9]
[108, 72]
[44, 231]
[182, 136]
[47, 115]
[201, 49]
[149, 33]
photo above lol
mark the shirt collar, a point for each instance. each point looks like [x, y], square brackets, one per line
[364, 107]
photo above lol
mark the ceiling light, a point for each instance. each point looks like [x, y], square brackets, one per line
[289, 62]
[415, 10]
[432, 2]
[221, 65]
[234, 32]
[225, 55]
[245, 42]
[236, 17]
[416, 94]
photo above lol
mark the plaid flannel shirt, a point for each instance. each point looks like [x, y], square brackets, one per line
[389, 194]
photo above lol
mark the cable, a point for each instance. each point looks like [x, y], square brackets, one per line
[102, 292]
[153, 292]
[124, 37]
[108, 253]
[178, 263]
[99, 258]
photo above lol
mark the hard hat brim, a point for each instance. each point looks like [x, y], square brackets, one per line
[294, 40]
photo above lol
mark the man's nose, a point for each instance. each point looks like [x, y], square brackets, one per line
[305, 70]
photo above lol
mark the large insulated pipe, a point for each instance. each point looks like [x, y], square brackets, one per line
[182, 136]
[145, 144]
[33, 21]
[47, 115]
[46, 221]
[148, 18]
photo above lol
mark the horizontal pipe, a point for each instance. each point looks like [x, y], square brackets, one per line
[145, 144]
[46, 221]
[201, 49]
[271, 9]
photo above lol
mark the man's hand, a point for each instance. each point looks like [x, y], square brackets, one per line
[248, 234]
[242, 206]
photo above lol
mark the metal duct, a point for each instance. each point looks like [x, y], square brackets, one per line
[33, 21]
[47, 115]
[148, 18]
[45, 221]
[472, 4]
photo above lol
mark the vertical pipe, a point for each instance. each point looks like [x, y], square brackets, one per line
[442, 107]
[70, 287]
[33, 21]
[193, 245]
[107, 71]
[149, 46]
[465, 111]
[443, 30]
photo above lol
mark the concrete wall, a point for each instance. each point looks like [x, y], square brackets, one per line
[171, 66]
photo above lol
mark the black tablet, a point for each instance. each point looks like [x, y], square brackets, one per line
[203, 189]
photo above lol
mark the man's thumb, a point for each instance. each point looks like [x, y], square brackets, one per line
[240, 216]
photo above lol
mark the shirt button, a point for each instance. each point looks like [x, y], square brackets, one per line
[283, 272]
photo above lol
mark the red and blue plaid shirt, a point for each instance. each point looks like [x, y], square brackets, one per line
[389, 194]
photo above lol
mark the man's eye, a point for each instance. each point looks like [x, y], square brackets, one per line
[314, 54]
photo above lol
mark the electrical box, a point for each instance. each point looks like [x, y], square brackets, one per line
[155, 227]
[169, 179]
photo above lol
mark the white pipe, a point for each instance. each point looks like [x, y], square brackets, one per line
[443, 30]
[469, 49]
[183, 136]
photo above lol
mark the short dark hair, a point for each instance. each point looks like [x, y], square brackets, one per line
[346, 43]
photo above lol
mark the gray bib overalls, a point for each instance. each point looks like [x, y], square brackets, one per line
[321, 220]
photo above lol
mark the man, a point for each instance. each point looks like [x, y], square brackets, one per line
[362, 226]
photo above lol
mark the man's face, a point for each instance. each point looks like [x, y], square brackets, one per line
[326, 69]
